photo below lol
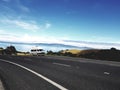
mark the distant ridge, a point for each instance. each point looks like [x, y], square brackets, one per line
[87, 42]
[82, 45]
[47, 44]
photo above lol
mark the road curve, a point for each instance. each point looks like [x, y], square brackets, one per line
[69, 74]
[37, 74]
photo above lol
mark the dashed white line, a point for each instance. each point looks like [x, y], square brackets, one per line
[37, 74]
[107, 73]
[62, 64]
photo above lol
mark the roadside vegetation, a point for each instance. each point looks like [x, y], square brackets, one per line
[11, 50]
[100, 54]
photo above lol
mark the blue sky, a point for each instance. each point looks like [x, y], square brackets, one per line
[54, 21]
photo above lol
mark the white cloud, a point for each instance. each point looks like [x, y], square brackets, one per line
[26, 25]
[26, 38]
[8, 37]
[2, 31]
[6, 11]
[22, 24]
[47, 25]
[21, 6]
[24, 8]
[18, 5]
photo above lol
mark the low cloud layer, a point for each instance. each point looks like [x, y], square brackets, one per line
[41, 39]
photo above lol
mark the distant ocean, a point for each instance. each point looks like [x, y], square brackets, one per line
[28, 46]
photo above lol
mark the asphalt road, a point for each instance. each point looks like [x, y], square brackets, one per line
[55, 73]
[1, 85]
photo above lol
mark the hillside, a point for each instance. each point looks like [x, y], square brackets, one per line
[105, 54]
[100, 54]
[73, 51]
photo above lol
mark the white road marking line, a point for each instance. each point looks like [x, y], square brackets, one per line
[107, 73]
[62, 64]
[37, 74]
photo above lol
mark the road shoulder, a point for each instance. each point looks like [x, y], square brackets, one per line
[1, 86]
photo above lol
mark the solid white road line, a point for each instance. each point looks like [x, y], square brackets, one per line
[37, 74]
[62, 64]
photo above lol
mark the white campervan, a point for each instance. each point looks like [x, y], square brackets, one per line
[37, 52]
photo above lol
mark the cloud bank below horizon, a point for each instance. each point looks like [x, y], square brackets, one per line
[27, 39]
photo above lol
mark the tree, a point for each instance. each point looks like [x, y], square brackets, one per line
[113, 49]
[10, 50]
[1, 50]
[50, 52]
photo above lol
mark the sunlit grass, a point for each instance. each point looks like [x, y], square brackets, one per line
[23, 54]
[73, 51]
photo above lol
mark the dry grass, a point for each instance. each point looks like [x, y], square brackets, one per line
[73, 51]
[23, 54]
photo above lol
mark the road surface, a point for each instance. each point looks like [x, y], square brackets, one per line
[1, 85]
[55, 73]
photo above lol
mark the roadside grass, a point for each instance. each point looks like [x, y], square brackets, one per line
[23, 54]
[73, 51]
